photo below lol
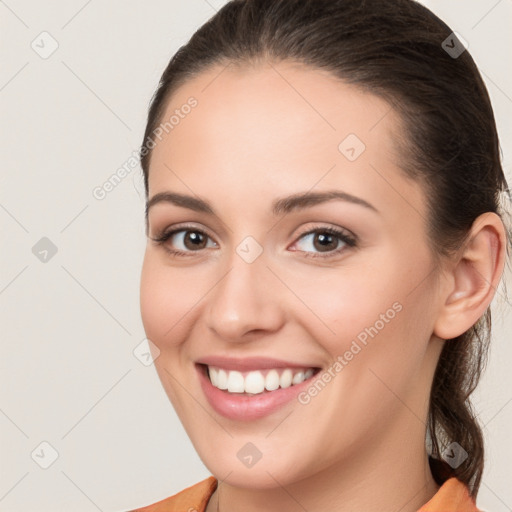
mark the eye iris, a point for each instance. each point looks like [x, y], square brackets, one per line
[197, 239]
[326, 241]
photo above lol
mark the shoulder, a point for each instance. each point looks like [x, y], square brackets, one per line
[452, 496]
[191, 499]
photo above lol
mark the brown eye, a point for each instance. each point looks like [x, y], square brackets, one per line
[324, 241]
[188, 240]
[194, 240]
[328, 241]
[184, 241]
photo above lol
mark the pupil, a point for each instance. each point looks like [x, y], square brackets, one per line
[325, 239]
[195, 238]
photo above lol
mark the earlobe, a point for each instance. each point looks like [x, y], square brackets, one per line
[473, 278]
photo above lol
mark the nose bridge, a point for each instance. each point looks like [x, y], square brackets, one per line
[244, 298]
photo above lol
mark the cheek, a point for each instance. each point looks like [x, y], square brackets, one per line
[167, 300]
[373, 305]
[340, 306]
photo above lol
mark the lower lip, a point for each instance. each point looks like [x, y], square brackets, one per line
[248, 407]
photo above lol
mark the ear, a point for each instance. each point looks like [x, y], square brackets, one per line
[472, 281]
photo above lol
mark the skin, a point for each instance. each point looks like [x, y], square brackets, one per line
[257, 134]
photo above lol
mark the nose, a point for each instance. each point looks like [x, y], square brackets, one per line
[245, 301]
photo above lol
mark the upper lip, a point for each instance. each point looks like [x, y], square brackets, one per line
[249, 363]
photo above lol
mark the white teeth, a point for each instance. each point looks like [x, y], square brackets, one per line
[236, 382]
[222, 379]
[255, 382]
[218, 378]
[214, 376]
[308, 374]
[298, 378]
[286, 378]
[272, 380]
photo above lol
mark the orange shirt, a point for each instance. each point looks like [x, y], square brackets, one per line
[452, 496]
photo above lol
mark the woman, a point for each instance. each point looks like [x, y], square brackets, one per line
[323, 188]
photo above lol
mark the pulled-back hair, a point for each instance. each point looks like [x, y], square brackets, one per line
[399, 51]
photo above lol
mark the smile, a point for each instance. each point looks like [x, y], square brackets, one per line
[252, 394]
[257, 381]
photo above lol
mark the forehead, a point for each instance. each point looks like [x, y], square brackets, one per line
[276, 129]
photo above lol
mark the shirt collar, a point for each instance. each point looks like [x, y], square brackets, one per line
[452, 496]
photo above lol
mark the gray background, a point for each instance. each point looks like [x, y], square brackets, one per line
[70, 324]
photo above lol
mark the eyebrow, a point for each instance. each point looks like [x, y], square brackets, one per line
[282, 205]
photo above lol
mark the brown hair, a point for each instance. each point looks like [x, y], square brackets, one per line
[397, 50]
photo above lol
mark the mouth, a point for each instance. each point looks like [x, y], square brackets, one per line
[256, 381]
[245, 396]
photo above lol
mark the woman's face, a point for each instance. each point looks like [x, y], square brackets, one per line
[262, 278]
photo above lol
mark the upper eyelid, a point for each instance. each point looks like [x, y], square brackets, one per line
[191, 227]
[177, 229]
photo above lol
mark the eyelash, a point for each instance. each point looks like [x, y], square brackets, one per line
[349, 241]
